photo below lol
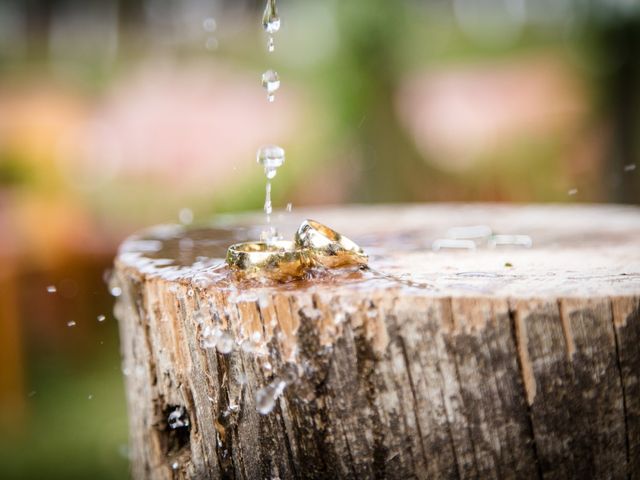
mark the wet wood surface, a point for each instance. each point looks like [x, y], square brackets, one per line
[499, 362]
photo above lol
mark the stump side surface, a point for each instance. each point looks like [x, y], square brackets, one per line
[521, 371]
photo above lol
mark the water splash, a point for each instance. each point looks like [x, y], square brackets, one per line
[218, 339]
[266, 397]
[271, 83]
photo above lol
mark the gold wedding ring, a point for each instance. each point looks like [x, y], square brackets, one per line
[328, 247]
[281, 260]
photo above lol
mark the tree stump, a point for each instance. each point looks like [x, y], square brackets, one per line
[514, 363]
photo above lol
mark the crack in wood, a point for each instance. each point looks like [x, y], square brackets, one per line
[412, 386]
[513, 314]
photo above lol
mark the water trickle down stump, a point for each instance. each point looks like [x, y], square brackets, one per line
[521, 363]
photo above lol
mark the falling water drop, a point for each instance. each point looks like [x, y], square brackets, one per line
[271, 82]
[268, 208]
[271, 157]
[52, 289]
[209, 24]
[185, 215]
[270, 22]
[211, 43]
[101, 318]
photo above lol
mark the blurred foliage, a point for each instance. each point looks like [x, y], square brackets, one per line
[346, 63]
[77, 427]
[13, 170]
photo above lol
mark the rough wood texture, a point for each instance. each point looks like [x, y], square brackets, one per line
[518, 363]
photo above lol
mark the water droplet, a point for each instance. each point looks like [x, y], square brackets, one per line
[178, 418]
[441, 243]
[247, 346]
[311, 313]
[289, 207]
[270, 45]
[101, 318]
[271, 83]
[573, 191]
[268, 207]
[90, 397]
[71, 323]
[175, 465]
[116, 291]
[209, 24]
[123, 451]
[225, 343]
[190, 292]
[52, 289]
[271, 157]
[630, 168]
[209, 337]
[185, 215]
[265, 400]
[270, 19]
[211, 43]
[517, 240]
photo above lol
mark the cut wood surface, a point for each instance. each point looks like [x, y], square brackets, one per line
[503, 362]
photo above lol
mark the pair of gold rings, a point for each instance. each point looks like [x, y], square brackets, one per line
[315, 245]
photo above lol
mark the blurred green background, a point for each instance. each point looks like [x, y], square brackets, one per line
[115, 115]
